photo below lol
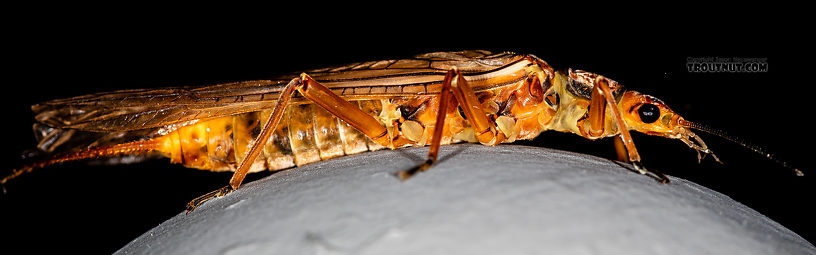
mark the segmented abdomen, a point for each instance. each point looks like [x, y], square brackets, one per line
[308, 133]
[305, 134]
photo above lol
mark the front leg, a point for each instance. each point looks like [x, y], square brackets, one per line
[602, 100]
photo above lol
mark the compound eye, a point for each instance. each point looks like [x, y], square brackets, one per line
[649, 113]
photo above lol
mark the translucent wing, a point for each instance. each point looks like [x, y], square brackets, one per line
[150, 108]
[141, 109]
[127, 115]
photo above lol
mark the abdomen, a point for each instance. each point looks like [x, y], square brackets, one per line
[305, 134]
[308, 133]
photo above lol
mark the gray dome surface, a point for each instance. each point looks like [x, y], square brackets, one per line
[477, 200]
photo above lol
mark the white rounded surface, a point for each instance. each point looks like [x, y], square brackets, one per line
[475, 200]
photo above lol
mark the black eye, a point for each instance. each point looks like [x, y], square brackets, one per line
[649, 113]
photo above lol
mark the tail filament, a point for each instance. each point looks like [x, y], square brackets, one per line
[135, 147]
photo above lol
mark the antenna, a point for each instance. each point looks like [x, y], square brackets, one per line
[739, 141]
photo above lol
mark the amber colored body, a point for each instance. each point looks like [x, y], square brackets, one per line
[320, 114]
[308, 133]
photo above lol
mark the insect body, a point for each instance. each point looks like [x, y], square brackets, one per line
[431, 99]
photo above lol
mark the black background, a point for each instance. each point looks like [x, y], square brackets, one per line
[98, 209]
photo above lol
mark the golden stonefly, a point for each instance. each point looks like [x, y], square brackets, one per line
[431, 99]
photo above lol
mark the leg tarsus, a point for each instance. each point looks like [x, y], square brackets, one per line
[206, 197]
[658, 176]
[406, 174]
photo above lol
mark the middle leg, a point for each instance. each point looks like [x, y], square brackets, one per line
[463, 95]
